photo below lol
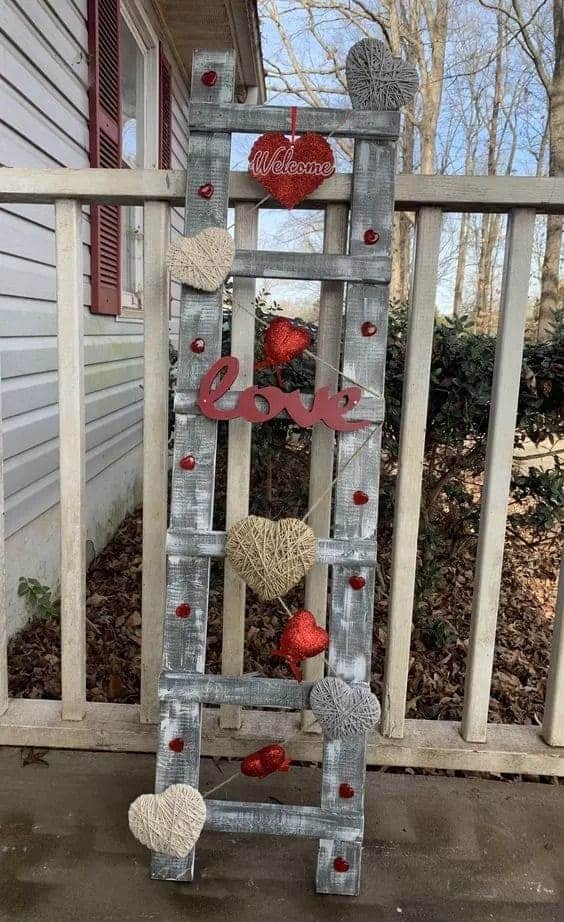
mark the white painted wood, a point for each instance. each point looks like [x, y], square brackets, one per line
[450, 193]
[553, 723]
[238, 461]
[71, 459]
[410, 468]
[497, 475]
[3, 603]
[426, 743]
[155, 452]
[328, 348]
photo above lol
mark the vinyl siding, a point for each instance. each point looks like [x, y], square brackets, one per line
[44, 123]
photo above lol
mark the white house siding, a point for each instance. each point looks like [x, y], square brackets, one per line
[44, 123]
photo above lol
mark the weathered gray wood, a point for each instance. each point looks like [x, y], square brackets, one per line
[371, 407]
[189, 543]
[350, 624]
[192, 491]
[363, 267]
[340, 123]
[281, 820]
[248, 691]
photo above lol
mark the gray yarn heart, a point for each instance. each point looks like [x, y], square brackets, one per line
[376, 79]
[343, 710]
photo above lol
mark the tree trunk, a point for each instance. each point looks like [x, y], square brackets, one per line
[552, 294]
[461, 266]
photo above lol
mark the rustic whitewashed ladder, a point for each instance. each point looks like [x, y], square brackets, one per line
[183, 687]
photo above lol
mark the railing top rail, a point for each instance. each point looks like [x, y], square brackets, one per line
[127, 187]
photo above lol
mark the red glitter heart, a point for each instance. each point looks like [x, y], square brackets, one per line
[265, 761]
[209, 78]
[368, 328]
[360, 498]
[301, 638]
[176, 745]
[341, 865]
[357, 582]
[206, 191]
[345, 790]
[291, 170]
[183, 610]
[188, 463]
[371, 236]
[197, 346]
[283, 341]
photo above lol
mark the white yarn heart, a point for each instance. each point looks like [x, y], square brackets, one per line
[169, 823]
[376, 79]
[203, 261]
[343, 710]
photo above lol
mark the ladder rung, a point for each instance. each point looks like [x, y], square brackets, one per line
[182, 542]
[340, 123]
[318, 266]
[282, 820]
[248, 691]
[370, 408]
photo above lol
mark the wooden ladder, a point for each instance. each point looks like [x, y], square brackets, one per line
[184, 688]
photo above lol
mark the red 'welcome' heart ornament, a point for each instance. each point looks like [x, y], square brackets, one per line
[301, 638]
[265, 761]
[291, 170]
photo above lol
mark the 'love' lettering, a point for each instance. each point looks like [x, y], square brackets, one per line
[259, 404]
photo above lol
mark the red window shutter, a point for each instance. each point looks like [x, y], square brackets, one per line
[105, 150]
[165, 112]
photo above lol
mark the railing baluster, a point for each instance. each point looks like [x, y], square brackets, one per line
[238, 463]
[3, 608]
[411, 452]
[72, 461]
[328, 348]
[497, 475]
[553, 723]
[156, 298]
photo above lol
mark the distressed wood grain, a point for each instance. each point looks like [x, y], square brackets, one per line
[363, 267]
[249, 691]
[340, 123]
[191, 543]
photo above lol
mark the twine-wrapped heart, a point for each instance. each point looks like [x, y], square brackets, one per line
[271, 557]
[376, 79]
[343, 710]
[203, 261]
[169, 823]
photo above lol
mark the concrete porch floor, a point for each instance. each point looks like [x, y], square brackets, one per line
[437, 849]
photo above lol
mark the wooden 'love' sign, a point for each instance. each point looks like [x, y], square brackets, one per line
[250, 404]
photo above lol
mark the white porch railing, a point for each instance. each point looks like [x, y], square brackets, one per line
[473, 744]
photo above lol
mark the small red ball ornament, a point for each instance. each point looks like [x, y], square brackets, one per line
[368, 328]
[206, 191]
[360, 498]
[198, 346]
[187, 463]
[183, 610]
[209, 78]
[345, 791]
[266, 761]
[371, 236]
[357, 582]
[176, 745]
[301, 638]
[341, 865]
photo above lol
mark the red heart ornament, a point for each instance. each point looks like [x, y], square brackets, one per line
[284, 341]
[301, 638]
[265, 761]
[291, 170]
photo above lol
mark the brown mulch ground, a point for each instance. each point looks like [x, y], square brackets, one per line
[439, 642]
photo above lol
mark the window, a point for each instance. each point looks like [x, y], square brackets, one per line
[130, 128]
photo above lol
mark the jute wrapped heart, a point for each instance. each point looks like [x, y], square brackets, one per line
[169, 823]
[343, 710]
[203, 261]
[271, 556]
[376, 79]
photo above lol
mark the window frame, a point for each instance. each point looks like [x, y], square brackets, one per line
[136, 20]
